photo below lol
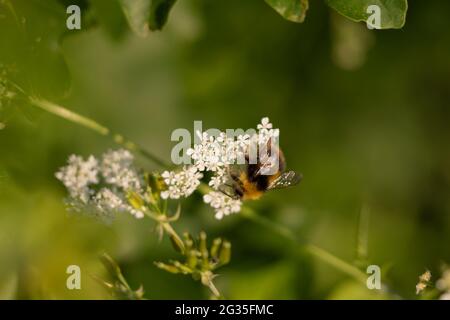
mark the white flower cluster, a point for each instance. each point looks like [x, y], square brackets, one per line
[78, 175]
[222, 204]
[215, 154]
[182, 183]
[115, 172]
[266, 131]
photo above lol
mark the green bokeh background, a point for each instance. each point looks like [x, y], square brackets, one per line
[375, 137]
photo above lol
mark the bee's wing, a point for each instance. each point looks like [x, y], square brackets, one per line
[286, 179]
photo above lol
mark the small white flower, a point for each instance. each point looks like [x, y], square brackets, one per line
[182, 183]
[222, 204]
[138, 214]
[264, 135]
[266, 132]
[219, 178]
[107, 202]
[117, 169]
[212, 152]
[426, 276]
[78, 175]
[265, 124]
[105, 199]
[420, 287]
[243, 140]
[217, 181]
[424, 280]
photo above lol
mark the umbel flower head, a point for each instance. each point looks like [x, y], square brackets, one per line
[216, 154]
[222, 204]
[101, 187]
[182, 183]
[78, 175]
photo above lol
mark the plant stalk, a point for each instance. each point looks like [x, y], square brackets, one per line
[313, 250]
[94, 126]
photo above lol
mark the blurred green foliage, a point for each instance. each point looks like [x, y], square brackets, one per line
[370, 134]
[393, 12]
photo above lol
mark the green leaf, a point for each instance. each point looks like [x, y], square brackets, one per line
[393, 12]
[30, 34]
[146, 15]
[292, 10]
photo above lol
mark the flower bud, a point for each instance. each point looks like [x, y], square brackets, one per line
[188, 241]
[225, 253]
[202, 246]
[183, 268]
[135, 200]
[215, 247]
[167, 267]
[192, 259]
[177, 243]
[156, 183]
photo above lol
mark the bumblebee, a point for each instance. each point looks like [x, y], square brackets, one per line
[251, 183]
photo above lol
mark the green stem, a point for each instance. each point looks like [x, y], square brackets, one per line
[94, 126]
[313, 250]
[277, 228]
[336, 262]
[174, 236]
[167, 227]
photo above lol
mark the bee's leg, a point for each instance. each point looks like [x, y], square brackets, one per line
[239, 193]
[234, 176]
[236, 180]
[236, 193]
[226, 191]
[238, 190]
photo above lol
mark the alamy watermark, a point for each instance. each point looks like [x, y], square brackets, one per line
[374, 19]
[73, 281]
[374, 280]
[73, 21]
